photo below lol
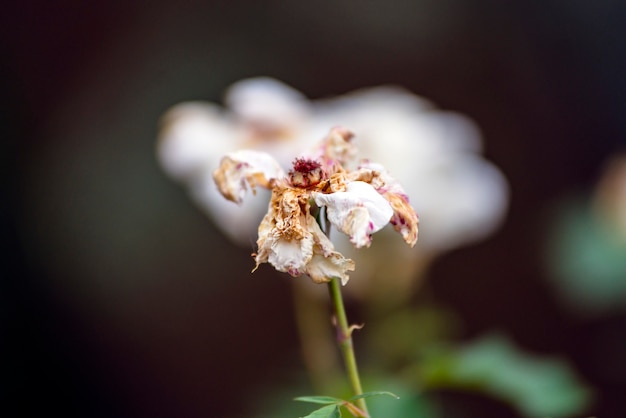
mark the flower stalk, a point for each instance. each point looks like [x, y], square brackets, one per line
[344, 339]
[344, 330]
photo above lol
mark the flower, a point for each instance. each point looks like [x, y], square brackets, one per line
[358, 203]
[460, 196]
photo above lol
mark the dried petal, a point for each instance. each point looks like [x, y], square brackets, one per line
[335, 152]
[404, 219]
[326, 263]
[291, 240]
[239, 168]
[358, 212]
[283, 241]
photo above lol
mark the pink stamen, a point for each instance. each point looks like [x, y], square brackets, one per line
[305, 166]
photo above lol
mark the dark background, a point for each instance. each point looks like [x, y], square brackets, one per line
[119, 298]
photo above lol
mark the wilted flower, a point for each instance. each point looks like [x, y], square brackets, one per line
[436, 155]
[358, 203]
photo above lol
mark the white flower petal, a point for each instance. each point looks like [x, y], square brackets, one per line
[193, 136]
[404, 219]
[267, 103]
[288, 248]
[460, 200]
[322, 269]
[335, 152]
[299, 249]
[242, 168]
[358, 212]
[291, 256]
[326, 262]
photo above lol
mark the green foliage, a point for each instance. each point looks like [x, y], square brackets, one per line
[535, 386]
[318, 399]
[333, 410]
[587, 258]
[374, 393]
[411, 404]
[330, 411]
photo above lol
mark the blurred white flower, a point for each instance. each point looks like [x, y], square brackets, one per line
[436, 155]
[359, 203]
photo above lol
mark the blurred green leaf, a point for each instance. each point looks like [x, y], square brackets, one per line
[587, 258]
[318, 399]
[535, 386]
[330, 411]
[410, 404]
[374, 393]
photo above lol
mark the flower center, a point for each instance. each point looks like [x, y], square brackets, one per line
[305, 173]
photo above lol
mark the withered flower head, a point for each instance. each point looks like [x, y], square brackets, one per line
[358, 203]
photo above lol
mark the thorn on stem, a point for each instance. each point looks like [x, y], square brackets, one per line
[353, 327]
[341, 335]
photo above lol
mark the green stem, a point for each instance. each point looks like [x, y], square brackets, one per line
[344, 338]
[344, 331]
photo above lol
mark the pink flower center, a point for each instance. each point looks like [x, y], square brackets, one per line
[305, 166]
[305, 173]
